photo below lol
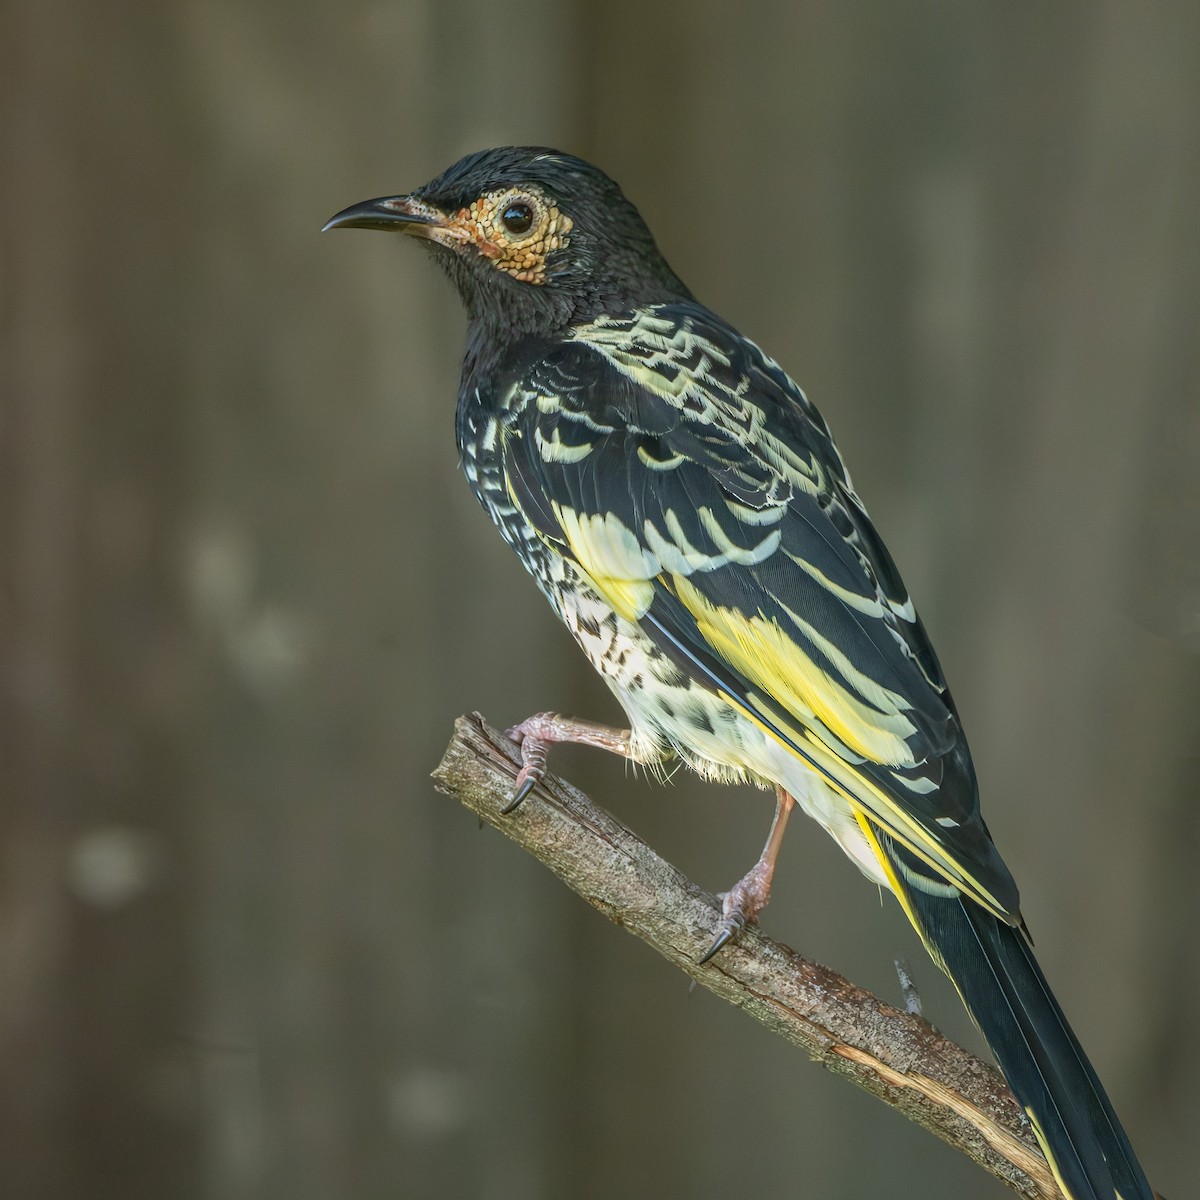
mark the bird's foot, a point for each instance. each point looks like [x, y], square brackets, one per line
[743, 902]
[741, 905]
[536, 735]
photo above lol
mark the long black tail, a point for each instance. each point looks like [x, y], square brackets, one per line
[993, 967]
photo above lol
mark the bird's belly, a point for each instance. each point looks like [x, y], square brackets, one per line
[671, 713]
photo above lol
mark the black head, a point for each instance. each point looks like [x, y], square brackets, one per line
[533, 239]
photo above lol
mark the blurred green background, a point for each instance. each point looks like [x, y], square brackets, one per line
[245, 950]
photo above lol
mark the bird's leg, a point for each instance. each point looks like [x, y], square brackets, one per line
[748, 897]
[536, 735]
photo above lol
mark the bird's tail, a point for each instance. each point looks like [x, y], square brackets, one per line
[992, 965]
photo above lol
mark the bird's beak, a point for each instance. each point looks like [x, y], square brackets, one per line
[402, 214]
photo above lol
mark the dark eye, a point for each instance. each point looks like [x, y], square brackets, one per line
[517, 216]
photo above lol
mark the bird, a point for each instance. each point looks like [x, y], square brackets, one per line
[683, 507]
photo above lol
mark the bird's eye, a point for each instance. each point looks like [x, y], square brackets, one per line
[517, 216]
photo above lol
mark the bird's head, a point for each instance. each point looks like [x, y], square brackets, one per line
[532, 238]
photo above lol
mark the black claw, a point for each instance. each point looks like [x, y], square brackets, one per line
[519, 796]
[718, 942]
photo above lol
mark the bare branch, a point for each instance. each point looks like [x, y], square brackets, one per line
[897, 1056]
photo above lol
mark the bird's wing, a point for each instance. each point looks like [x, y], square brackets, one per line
[701, 492]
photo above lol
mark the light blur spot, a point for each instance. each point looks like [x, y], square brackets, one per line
[429, 1101]
[267, 644]
[109, 867]
[221, 567]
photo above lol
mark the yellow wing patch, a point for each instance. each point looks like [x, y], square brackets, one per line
[613, 559]
[759, 650]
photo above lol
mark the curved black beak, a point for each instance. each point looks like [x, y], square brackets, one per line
[402, 214]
